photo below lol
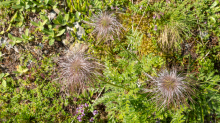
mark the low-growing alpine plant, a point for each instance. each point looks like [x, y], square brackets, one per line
[171, 89]
[83, 113]
[78, 70]
[172, 33]
[106, 26]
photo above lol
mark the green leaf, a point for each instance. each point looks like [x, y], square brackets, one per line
[9, 27]
[26, 32]
[0, 56]
[46, 1]
[212, 19]
[1, 75]
[214, 4]
[34, 23]
[13, 18]
[44, 22]
[51, 42]
[56, 22]
[77, 15]
[5, 3]
[4, 83]
[22, 70]
[10, 36]
[23, 36]
[66, 17]
[6, 74]
[2, 32]
[18, 40]
[61, 32]
[49, 32]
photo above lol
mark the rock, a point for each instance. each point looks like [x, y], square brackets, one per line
[46, 51]
[203, 34]
[56, 10]
[16, 49]
[52, 15]
[41, 45]
[79, 47]
[5, 41]
[80, 30]
[68, 39]
[69, 29]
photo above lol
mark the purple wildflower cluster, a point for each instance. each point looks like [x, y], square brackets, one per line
[81, 110]
[158, 16]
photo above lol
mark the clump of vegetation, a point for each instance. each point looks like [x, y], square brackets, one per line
[78, 70]
[74, 61]
[106, 26]
[171, 89]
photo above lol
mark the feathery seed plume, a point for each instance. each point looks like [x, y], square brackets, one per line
[171, 89]
[106, 26]
[78, 70]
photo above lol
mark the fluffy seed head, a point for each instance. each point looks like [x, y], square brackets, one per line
[171, 89]
[78, 70]
[106, 26]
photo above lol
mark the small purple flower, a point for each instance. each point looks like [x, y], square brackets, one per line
[112, 7]
[67, 36]
[30, 75]
[83, 114]
[82, 111]
[158, 16]
[167, 1]
[77, 112]
[86, 105]
[161, 13]
[29, 67]
[95, 112]
[74, 99]
[91, 119]
[24, 78]
[79, 118]
[51, 76]
[79, 107]
[155, 28]
[205, 22]
[116, 7]
[154, 17]
[141, 7]
[42, 75]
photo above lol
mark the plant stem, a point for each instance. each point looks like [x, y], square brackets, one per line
[127, 51]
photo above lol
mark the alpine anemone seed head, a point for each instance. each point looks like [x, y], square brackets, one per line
[78, 70]
[171, 89]
[106, 26]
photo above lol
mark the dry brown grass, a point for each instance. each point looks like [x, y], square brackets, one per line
[171, 37]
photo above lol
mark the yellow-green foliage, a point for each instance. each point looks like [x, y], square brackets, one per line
[144, 25]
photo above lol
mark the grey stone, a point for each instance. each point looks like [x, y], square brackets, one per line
[52, 15]
[80, 30]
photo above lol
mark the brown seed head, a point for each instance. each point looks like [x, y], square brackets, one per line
[171, 89]
[78, 70]
[106, 26]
